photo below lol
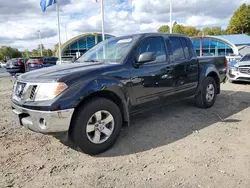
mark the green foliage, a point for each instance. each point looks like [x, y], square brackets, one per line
[48, 52]
[35, 53]
[55, 49]
[178, 28]
[191, 31]
[213, 31]
[25, 54]
[240, 21]
[6, 52]
[164, 29]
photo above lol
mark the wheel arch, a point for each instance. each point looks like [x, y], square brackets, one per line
[108, 94]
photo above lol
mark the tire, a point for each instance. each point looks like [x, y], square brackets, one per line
[201, 99]
[87, 113]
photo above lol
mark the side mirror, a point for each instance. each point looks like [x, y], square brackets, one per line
[146, 57]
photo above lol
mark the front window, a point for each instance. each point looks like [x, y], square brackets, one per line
[112, 50]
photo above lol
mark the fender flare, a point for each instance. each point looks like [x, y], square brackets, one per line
[208, 70]
[106, 85]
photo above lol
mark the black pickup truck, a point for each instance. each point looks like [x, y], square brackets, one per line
[93, 98]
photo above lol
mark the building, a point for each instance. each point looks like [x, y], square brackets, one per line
[81, 43]
[222, 45]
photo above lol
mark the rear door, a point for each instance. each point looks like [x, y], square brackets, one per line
[186, 66]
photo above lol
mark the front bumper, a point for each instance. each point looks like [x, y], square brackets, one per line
[46, 122]
[238, 76]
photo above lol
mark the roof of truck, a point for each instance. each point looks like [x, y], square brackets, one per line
[153, 33]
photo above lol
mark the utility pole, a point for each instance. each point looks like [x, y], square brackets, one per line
[41, 48]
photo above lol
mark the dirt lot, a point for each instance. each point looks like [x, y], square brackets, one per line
[175, 145]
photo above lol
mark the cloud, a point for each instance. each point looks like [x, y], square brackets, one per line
[20, 21]
[5, 40]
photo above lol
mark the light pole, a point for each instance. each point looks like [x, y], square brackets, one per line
[170, 16]
[39, 35]
[102, 12]
[59, 32]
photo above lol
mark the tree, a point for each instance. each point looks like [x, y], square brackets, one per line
[55, 49]
[35, 53]
[164, 29]
[240, 21]
[6, 52]
[213, 31]
[191, 31]
[25, 54]
[178, 28]
[48, 52]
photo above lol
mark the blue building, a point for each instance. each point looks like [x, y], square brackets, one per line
[222, 45]
[81, 43]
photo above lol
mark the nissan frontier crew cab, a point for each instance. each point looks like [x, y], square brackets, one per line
[90, 100]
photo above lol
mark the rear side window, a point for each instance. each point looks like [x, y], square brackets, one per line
[177, 48]
[185, 47]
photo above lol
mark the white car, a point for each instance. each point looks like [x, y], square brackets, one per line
[239, 72]
[3, 65]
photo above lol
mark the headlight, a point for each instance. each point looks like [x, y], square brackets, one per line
[47, 91]
[235, 69]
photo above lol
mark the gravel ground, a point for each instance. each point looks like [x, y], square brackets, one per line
[176, 145]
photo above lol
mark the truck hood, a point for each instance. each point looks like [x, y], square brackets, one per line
[57, 72]
[242, 63]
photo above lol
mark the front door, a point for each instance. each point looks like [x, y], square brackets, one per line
[155, 79]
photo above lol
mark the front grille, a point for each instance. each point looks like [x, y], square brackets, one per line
[244, 66]
[243, 78]
[244, 70]
[24, 92]
[33, 92]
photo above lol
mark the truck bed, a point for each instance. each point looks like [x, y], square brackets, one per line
[220, 63]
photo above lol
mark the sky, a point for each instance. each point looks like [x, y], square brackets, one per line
[20, 20]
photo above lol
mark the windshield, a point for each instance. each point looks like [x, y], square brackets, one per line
[112, 50]
[246, 58]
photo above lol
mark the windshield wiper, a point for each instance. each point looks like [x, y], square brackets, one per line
[94, 60]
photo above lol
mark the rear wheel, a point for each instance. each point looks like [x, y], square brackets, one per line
[207, 96]
[96, 126]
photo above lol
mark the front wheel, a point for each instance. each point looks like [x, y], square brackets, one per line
[207, 96]
[96, 126]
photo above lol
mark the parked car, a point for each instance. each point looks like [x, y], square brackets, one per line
[66, 59]
[40, 62]
[233, 59]
[3, 65]
[15, 66]
[93, 98]
[240, 71]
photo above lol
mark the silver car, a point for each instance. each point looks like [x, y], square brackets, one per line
[240, 71]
